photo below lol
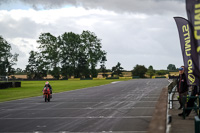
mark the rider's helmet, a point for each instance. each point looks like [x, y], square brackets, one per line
[47, 83]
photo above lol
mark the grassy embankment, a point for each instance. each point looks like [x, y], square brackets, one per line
[34, 88]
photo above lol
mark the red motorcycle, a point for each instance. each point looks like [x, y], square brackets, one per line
[46, 94]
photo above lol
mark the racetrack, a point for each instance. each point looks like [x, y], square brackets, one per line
[125, 106]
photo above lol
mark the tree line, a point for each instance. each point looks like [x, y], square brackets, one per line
[68, 55]
[7, 59]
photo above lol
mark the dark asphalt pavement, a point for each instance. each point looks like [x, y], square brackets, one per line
[125, 106]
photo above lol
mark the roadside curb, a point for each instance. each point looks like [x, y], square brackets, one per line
[158, 121]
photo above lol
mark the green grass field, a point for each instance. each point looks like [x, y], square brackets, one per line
[34, 88]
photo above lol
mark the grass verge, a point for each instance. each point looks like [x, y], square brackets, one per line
[34, 88]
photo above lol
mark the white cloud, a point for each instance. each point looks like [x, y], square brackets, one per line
[135, 6]
[132, 32]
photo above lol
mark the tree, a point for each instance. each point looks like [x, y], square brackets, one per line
[20, 71]
[162, 72]
[36, 69]
[83, 67]
[92, 48]
[7, 59]
[117, 70]
[171, 67]
[139, 70]
[50, 53]
[150, 71]
[103, 66]
[71, 50]
[71, 54]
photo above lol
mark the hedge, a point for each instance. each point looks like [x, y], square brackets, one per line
[4, 85]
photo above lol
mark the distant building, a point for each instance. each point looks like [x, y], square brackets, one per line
[173, 73]
[109, 74]
[127, 74]
[25, 77]
[18, 77]
[104, 75]
[100, 75]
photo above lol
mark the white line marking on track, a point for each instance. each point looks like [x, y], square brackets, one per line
[88, 117]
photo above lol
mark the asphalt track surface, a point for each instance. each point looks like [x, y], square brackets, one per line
[125, 106]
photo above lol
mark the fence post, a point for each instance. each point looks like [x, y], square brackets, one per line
[184, 108]
[198, 101]
[197, 124]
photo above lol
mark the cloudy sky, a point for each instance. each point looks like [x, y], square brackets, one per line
[132, 31]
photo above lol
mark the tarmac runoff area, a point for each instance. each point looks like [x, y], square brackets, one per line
[120, 107]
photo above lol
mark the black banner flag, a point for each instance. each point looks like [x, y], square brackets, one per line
[190, 56]
[193, 13]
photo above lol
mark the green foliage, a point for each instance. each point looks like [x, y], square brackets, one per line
[7, 59]
[139, 70]
[83, 67]
[92, 49]
[36, 69]
[171, 67]
[19, 71]
[150, 71]
[103, 66]
[162, 72]
[117, 70]
[69, 54]
[50, 53]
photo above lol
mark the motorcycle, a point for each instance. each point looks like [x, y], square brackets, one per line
[46, 94]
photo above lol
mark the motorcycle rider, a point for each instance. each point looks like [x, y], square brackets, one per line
[48, 85]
